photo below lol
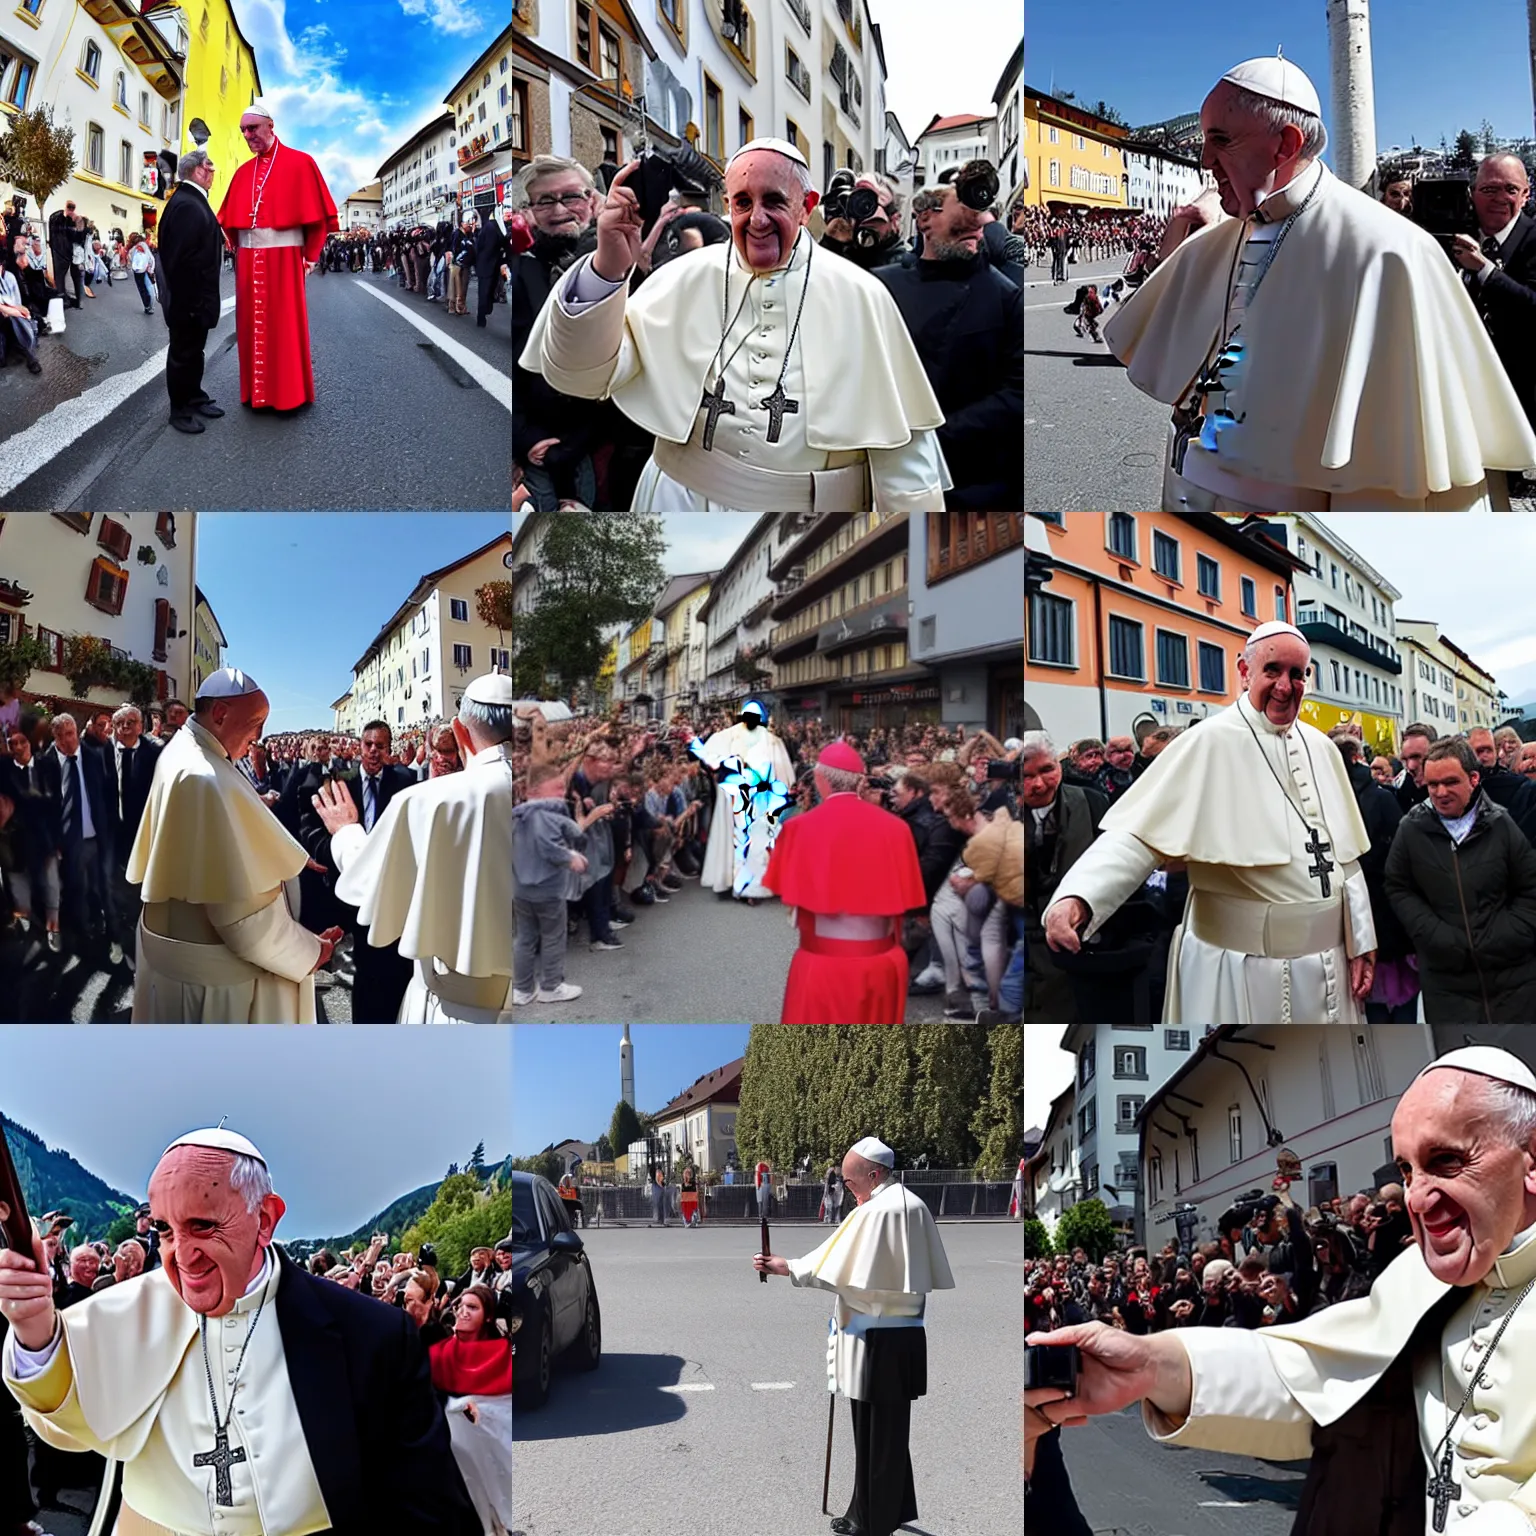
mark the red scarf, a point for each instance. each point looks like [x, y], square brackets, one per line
[472, 1367]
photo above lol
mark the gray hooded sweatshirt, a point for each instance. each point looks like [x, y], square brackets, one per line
[543, 838]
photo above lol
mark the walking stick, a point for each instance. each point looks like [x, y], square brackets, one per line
[826, 1476]
[16, 1230]
[762, 1274]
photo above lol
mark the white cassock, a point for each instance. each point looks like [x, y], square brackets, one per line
[1260, 942]
[866, 417]
[1367, 382]
[741, 837]
[1259, 1393]
[484, 1454]
[882, 1261]
[436, 875]
[217, 941]
[125, 1378]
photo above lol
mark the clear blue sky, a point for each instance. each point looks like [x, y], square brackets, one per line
[349, 81]
[299, 595]
[349, 1119]
[1437, 67]
[565, 1077]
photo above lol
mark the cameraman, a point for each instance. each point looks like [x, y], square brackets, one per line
[967, 322]
[875, 239]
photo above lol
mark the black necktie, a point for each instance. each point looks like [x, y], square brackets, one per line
[1491, 248]
[370, 801]
[71, 800]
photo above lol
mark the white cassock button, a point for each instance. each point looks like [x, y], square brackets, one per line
[1480, 1422]
[1465, 1509]
[1473, 1471]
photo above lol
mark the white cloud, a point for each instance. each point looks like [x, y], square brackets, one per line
[452, 16]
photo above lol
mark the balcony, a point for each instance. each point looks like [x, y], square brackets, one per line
[1324, 633]
[792, 646]
[880, 542]
[805, 531]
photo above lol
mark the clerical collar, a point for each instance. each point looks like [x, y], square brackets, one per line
[206, 737]
[251, 1297]
[494, 754]
[1520, 1238]
[1280, 205]
[1258, 718]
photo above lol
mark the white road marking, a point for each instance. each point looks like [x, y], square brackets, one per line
[1221, 1504]
[493, 381]
[692, 1386]
[772, 1386]
[48, 436]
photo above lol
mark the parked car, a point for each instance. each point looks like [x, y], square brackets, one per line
[554, 1297]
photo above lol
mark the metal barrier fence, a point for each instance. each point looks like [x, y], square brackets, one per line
[952, 1198]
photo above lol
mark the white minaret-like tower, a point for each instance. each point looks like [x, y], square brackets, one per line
[1352, 132]
[627, 1070]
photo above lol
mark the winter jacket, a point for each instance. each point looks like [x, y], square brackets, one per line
[935, 850]
[996, 856]
[543, 837]
[1470, 912]
[1078, 813]
[1380, 811]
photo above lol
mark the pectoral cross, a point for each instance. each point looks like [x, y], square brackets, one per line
[776, 405]
[715, 403]
[1442, 1490]
[221, 1458]
[1319, 851]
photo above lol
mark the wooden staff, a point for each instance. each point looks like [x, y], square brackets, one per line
[17, 1227]
[826, 1476]
[762, 1274]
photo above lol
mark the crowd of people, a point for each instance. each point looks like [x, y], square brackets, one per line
[582, 453]
[436, 261]
[1270, 1263]
[1450, 872]
[614, 818]
[1065, 237]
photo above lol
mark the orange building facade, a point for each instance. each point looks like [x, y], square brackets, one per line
[1141, 617]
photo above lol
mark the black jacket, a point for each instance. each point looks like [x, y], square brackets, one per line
[190, 258]
[493, 250]
[1049, 1503]
[312, 833]
[1470, 912]
[1506, 300]
[1515, 792]
[924, 823]
[1381, 813]
[135, 791]
[1077, 816]
[93, 775]
[967, 323]
[1409, 794]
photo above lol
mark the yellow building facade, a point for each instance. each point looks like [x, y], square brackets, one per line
[208, 641]
[221, 81]
[1072, 158]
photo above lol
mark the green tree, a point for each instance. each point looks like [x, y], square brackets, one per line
[602, 1149]
[1485, 132]
[477, 1158]
[1464, 156]
[1086, 1226]
[624, 1127]
[545, 1164]
[999, 1119]
[493, 603]
[19, 658]
[462, 1217]
[121, 1230]
[37, 157]
[1037, 1239]
[593, 572]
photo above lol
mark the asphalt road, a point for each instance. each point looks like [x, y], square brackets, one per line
[740, 1450]
[412, 410]
[699, 959]
[72, 1517]
[1128, 1485]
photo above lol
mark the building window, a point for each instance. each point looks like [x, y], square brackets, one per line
[670, 10]
[519, 115]
[458, 608]
[95, 149]
[1165, 556]
[1130, 1061]
[1051, 630]
[125, 163]
[1086, 1063]
[744, 126]
[1280, 613]
[714, 120]
[1122, 535]
[16, 75]
[90, 65]
[144, 108]
[461, 657]
[1053, 135]
[799, 76]
[106, 586]
[1087, 1120]
[1127, 654]
[612, 68]
[1175, 1039]
[1127, 1107]
[1208, 576]
[584, 36]
[120, 89]
[1250, 597]
[1172, 659]
[1213, 668]
[1054, 176]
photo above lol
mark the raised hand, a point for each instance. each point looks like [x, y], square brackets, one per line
[619, 224]
[26, 1295]
[1119, 1368]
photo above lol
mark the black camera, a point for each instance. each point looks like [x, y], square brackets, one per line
[976, 185]
[427, 1255]
[1053, 1365]
[844, 200]
[664, 170]
[1442, 205]
[1008, 769]
[1245, 1208]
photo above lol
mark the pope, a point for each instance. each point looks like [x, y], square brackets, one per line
[435, 874]
[882, 1261]
[320, 1417]
[1413, 1397]
[1319, 351]
[218, 941]
[774, 379]
[752, 789]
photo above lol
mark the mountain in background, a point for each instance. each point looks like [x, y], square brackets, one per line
[52, 1180]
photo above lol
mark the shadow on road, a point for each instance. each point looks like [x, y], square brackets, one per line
[623, 1393]
[1250, 1488]
[1079, 359]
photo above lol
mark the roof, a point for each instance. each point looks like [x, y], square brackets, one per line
[1011, 72]
[723, 1085]
[213, 618]
[1215, 1033]
[442, 123]
[420, 592]
[149, 7]
[737, 556]
[503, 40]
[583, 1147]
[372, 193]
[960, 120]
[677, 589]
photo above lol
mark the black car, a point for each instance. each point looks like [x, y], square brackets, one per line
[554, 1297]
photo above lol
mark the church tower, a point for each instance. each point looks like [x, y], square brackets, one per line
[627, 1069]
[1352, 131]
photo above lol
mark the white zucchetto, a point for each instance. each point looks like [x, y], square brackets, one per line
[227, 683]
[873, 1150]
[1279, 80]
[221, 1141]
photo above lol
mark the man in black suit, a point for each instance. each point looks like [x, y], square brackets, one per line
[382, 974]
[61, 245]
[1499, 268]
[77, 779]
[191, 259]
[493, 259]
[130, 759]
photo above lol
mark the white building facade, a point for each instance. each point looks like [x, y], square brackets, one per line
[1055, 1171]
[1452, 693]
[735, 619]
[1157, 181]
[1006, 150]
[947, 143]
[364, 209]
[480, 105]
[417, 182]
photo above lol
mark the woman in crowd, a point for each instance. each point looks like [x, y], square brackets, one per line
[474, 1369]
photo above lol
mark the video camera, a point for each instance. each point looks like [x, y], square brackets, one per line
[1244, 1209]
[664, 170]
[976, 184]
[844, 200]
[1442, 206]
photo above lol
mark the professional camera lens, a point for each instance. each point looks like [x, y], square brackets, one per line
[863, 203]
[976, 185]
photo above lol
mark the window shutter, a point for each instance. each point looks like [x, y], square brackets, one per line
[115, 538]
[162, 624]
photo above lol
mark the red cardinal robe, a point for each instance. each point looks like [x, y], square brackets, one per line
[846, 856]
[283, 192]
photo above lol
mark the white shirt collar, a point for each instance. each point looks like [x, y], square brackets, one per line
[196, 186]
[1503, 234]
[1519, 1238]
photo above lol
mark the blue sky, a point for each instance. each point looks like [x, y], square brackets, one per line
[565, 1077]
[300, 595]
[1437, 68]
[350, 80]
[348, 1119]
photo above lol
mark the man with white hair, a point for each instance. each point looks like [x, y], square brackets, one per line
[191, 262]
[882, 1261]
[752, 409]
[1317, 349]
[321, 1416]
[1257, 804]
[1412, 1396]
[435, 874]
[276, 216]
